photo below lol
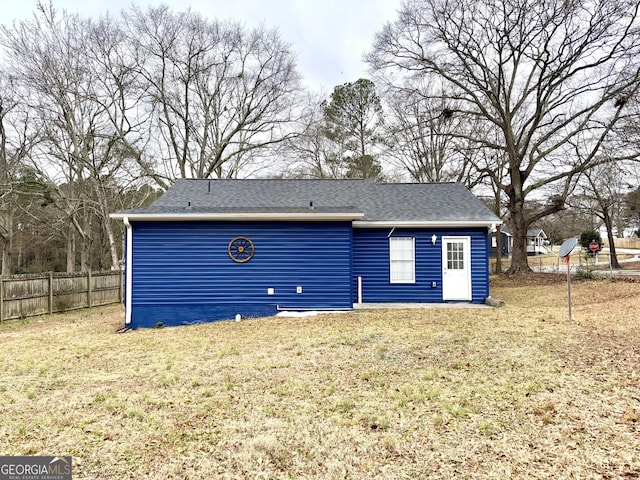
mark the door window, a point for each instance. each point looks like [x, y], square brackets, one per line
[455, 256]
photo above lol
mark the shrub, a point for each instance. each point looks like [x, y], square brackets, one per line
[589, 236]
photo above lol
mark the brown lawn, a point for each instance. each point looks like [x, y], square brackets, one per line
[513, 392]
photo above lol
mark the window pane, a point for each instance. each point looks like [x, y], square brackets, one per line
[402, 271]
[402, 260]
[401, 248]
[455, 256]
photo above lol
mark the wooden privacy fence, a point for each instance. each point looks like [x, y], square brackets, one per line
[633, 243]
[24, 296]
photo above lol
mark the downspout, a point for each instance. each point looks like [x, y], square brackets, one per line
[128, 273]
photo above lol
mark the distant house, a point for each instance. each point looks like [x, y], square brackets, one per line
[215, 249]
[506, 244]
[537, 243]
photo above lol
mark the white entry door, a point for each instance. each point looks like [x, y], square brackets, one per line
[456, 268]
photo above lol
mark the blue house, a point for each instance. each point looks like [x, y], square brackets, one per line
[214, 249]
[506, 244]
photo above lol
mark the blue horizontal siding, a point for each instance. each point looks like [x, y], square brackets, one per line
[182, 272]
[371, 262]
[479, 264]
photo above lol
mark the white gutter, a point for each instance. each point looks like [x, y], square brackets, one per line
[426, 224]
[128, 273]
[186, 217]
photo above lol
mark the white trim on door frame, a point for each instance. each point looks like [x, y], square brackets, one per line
[456, 282]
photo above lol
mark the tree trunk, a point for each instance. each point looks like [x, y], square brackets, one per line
[5, 260]
[7, 248]
[519, 259]
[520, 224]
[71, 249]
[86, 235]
[115, 264]
[498, 234]
[108, 227]
[84, 255]
[608, 223]
[612, 251]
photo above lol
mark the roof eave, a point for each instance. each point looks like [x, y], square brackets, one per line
[231, 217]
[427, 224]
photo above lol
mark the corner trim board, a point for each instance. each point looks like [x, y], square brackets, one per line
[128, 272]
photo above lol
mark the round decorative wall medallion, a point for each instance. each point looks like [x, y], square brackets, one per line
[240, 249]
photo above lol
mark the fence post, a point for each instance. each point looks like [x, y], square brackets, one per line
[89, 288]
[1, 299]
[121, 286]
[50, 293]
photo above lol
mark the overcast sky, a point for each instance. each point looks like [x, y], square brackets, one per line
[328, 36]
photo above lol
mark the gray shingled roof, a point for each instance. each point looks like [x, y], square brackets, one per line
[400, 202]
[534, 232]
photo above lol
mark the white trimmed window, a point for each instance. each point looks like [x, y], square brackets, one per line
[402, 268]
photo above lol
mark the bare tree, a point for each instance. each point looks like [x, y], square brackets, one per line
[603, 193]
[425, 137]
[16, 141]
[77, 75]
[119, 142]
[313, 154]
[632, 207]
[552, 76]
[218, 93]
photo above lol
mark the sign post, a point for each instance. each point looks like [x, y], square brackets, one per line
[565, 255]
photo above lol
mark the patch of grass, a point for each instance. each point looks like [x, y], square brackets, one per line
[488, 429]
[229, 382]
[345, 406]
[100, 398]
[514, 392]
[228, 351]
[437, 420]
[169, 379]
[380, 352]
[546, 412]
[378, 423]
[456, 410]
